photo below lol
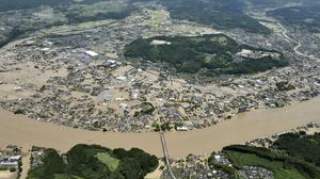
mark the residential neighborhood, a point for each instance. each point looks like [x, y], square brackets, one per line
[10, 162]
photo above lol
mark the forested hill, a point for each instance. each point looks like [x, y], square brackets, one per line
[217, 53]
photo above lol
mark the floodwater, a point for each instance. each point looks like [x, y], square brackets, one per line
[245, 127]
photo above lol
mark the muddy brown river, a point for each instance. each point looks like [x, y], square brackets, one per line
[245, 127]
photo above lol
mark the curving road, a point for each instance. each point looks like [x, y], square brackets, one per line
[285, 34]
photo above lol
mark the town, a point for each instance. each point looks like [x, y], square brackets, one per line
[81, 79]
[159, 89]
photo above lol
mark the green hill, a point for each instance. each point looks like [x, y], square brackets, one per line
[94, 162]
[292, 156]
[216, 54]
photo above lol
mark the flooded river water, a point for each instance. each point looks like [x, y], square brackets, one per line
[245, 127]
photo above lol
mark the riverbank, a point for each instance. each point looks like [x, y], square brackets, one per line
[25, 132]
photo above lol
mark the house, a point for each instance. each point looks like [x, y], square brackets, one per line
[104, 96]
[9, 164]
[182, 128]
[15, 158]
[111, 64]
[10, 161]
[91, 53]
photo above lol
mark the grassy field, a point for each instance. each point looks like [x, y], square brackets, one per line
[111, 162]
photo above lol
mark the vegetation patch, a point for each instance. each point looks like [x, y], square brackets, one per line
[214, 54]
[305, 147]
[98, 11]
[7, 5]
[301, 17]
[262, 4]
[282, 165]
[41, 14]
[223, 14]
[94, 162]
[278, 168]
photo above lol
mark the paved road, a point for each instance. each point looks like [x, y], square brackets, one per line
[285, 34]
